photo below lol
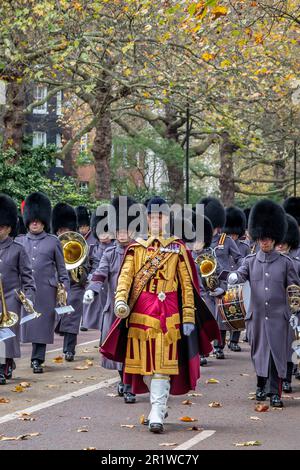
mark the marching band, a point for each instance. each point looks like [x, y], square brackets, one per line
[162, 302]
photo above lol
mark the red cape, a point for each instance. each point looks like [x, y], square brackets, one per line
[189, 347]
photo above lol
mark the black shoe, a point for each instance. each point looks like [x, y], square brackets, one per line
[220, 354]
[261, 394]
[287, 387]
[2, 379]
[157, 428]
[234, 347]
[129, 397]
[203, 361]
[82, 328]
[9, 368]
[120, 389]
[37, 367]
[275, 401]
[297, 375]
[69, 357]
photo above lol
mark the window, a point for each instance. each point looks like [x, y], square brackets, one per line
[58, 163]
[59, 103]
[84, 185]
[58, 141]
[40, 92]
[39, 138]
[84, 143]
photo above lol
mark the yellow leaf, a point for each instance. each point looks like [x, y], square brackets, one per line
[58, 360]
[207, 56]
[247, 444]
[3, 401]
[219, 11]
[225, 63]
[187, 419]
[212, 381]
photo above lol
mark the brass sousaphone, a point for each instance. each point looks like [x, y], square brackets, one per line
[7, 319]
[75, 250]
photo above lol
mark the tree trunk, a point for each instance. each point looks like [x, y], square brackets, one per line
[279, 169]
[226, 180]
[14, 117]
[174, 167]
[102, 153]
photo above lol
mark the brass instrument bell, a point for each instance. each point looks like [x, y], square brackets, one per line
[7, 319]
[75, 249]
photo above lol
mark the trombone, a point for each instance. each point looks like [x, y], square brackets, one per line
[7, 319]
[75, 251]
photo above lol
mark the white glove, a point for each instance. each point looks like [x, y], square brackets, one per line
[294, 321]
[121, 309]
[188, 328]
[232, 278]
[88, 297]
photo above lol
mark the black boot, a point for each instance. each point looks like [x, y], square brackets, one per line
[9, 368]
[220, 354]
[203, 361]
[37, 367]
[2, 379]
[276, 402]
[234, 347]
[287, 387]
[69, 357]
[261, 394]
[120, 389]
[83, 328]
[129, 397]
[297, 375]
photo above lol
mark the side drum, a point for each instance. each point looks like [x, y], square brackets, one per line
[234, 305]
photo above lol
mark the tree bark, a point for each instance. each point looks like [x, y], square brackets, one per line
[175, 168]
[14, 116]
[279, 170]
[102, 153]
[226, 179]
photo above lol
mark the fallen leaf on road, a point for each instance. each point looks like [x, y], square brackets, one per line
[129, 426]
[85, 350]
[247, 444]
[255, 418]
[22, 437]
[261, 408]
[92, 377]
[112, 395]
[27, 418]
[83, 430]
[215, 404]
[90, 448]
[194, 394]
[58, 360]
[52, 386]
[251, 398]
[252, 393]
[81, 367]
[25, 384]
[187, 419]
[89, 362]
[18, 389]
[85, 417]
[3, 401]
[244, 375]
[76, 382]
[277, 409]
[187, 402]
[68, 376]
[195, 428]
[296, 398]
[142, 419]
[168, 444]
[212, 381]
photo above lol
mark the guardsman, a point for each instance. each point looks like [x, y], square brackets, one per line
[48, 268]
[163, 324]
[64, 220]
[16, 274]
[106, 274]
[290, 246]
[226, 252]
[269, 273]
[235, 227]
[92, 312]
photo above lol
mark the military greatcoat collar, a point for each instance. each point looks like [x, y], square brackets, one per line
[6, 243]
[39, 236]
[267, 257]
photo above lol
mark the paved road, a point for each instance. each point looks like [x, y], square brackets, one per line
[63, 396]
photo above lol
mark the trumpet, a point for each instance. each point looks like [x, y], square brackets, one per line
[207, 263]
[7, 319]
[75, 250]
[26, 304]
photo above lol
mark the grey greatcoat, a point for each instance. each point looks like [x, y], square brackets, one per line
[92, 312]
[108, 271]
[228, 255]
[267, 320]
[16, 271]
[48, 268]
[295, 257]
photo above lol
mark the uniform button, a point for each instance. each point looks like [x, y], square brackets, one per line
[266, 303]
[266, 288]
[33, 270]
[267, 318]
[267, 274]
[34, 247]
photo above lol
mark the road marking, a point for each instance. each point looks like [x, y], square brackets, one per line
[61, 399]
[195, 440]
[78, 345]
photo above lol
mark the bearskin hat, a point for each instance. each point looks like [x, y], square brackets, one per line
[292, 236]
[8, 213]
[158, 204]
[292, 206]
[37, 207]
[63, 216]
[214, 210]
[83, 215]
[267, 220]
[235, 221]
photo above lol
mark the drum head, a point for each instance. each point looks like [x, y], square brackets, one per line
[246, 296]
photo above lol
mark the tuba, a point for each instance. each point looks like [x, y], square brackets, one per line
[75, 250]
[293, 293]
[207, 263]
[7, 319]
